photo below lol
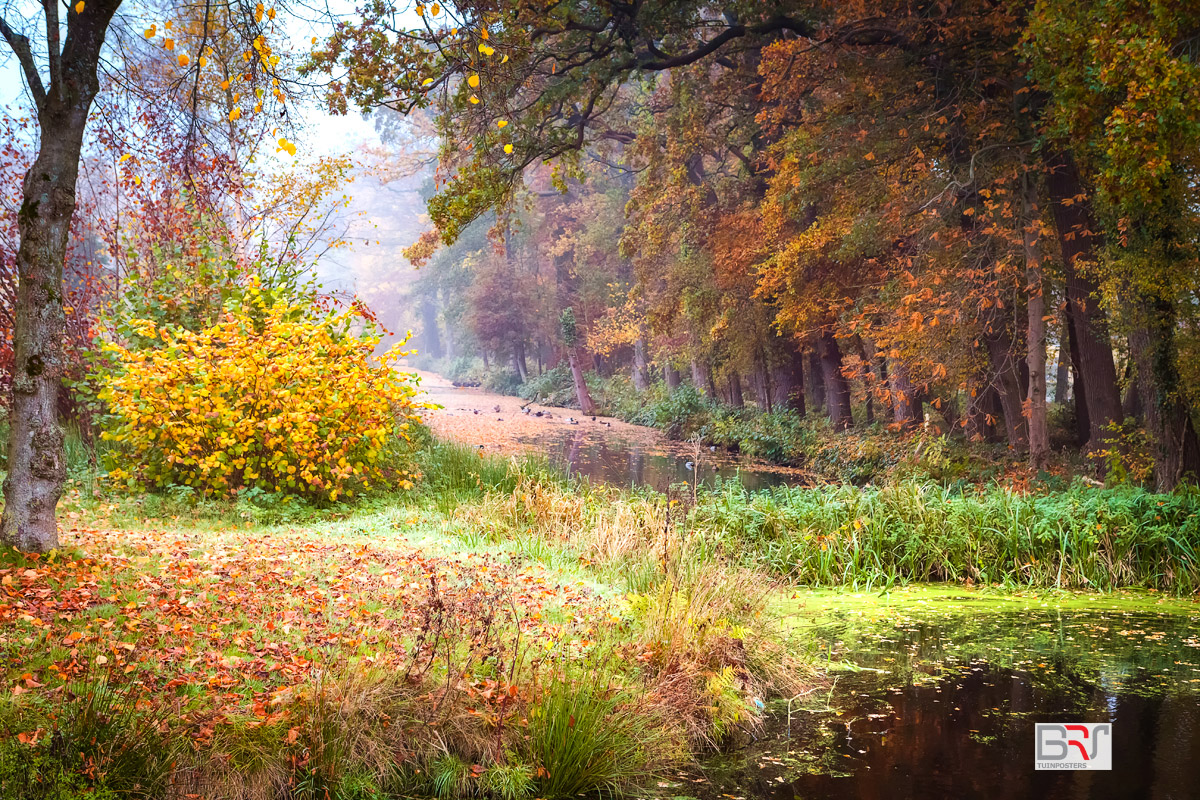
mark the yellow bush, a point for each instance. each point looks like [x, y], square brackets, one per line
[272, 396]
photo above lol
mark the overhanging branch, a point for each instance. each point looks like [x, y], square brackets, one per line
[19, 44]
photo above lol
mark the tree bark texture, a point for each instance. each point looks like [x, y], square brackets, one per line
[36, 460]
[671, 376]
[906, 405]
[1002, 348]
[1096, 372]
[788, 383]
[1168, 418]
[641, 380]
[1035, 334]
[837, 388]
[581, 390]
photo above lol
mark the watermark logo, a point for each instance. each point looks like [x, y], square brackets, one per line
[1082, 745]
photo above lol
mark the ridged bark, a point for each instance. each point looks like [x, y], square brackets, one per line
[36, 461]
[837, 388]
[1096, 371]
[1035, 334]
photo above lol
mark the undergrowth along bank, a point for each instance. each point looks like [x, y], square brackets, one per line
[1082, 537]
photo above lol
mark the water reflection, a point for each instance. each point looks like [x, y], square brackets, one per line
[972, 736]
[614, 460]
[951, 711]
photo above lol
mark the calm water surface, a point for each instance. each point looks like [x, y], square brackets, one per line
[943, 705]
[614, 460]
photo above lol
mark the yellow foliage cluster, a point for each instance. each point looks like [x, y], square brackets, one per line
[269, 397]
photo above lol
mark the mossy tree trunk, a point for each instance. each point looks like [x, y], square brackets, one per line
[36, 461]
[1035, 334]
[837, 388]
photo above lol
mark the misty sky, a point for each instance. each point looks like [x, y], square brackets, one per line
[391, 215]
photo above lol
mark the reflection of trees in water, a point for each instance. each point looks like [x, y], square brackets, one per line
[624, 463]
[971, 734]
[573, 452]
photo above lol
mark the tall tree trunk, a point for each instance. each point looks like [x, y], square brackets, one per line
[1000, 341]
[36, 461]
[641, 380]
[788, 385]
[735, 390]
[581, 390]
[702, 377]
[522, 360]
[837, 388]
[519, 361]
[906, 405]
[1082, 424]
[1035, 338]
[814, 383]
[982, 412]
[671, 377]
[1096, 374]
[1168, 417]
[762, 384]
[1131, 403]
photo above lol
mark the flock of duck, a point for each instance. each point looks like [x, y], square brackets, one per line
[527, 411]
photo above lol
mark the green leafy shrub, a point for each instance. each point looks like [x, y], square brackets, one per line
[677, 414]
[553, 387]
[465, 369]
[502, 381]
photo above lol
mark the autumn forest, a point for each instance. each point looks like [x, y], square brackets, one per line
[552, 398]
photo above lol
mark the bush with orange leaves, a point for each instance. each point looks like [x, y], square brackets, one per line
[275, 396]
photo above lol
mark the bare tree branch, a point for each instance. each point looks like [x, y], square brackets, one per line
[19, 44]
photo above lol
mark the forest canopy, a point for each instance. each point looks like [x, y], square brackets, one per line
[919, 204]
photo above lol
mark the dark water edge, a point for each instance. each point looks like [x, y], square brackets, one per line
[951, 711]
[619, 462]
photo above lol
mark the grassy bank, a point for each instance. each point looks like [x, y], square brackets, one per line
[416, 645]
[1080, 538]
[1083, 537]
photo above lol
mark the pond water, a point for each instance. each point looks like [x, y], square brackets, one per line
[612, 459]
[932, 701]
[600, 448]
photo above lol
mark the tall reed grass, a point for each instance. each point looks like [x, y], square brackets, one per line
[1081, 538]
